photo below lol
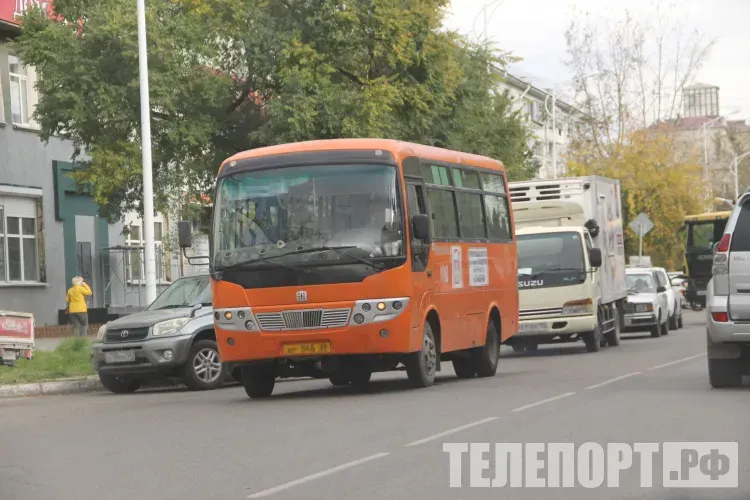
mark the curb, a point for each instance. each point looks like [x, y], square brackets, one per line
[88, 384]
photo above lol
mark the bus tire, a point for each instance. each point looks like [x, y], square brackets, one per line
[421, 365]
[339, 379]
[464, 367]
[258, 383]
[487, 356]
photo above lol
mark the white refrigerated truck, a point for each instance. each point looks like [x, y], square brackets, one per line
[571, 261]
[16, 336]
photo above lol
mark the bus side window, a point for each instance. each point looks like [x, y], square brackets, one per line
[416, 205]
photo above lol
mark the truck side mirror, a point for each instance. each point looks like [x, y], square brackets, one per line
[185, 234]
[420, 226]
[595, 257]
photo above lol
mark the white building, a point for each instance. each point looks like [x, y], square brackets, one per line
[536, 104]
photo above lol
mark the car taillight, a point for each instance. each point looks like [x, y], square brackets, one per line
[724, 243]
[720, 317]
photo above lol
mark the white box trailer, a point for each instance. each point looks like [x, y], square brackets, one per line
[591, 208]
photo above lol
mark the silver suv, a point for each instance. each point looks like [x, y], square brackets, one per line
[728, 301]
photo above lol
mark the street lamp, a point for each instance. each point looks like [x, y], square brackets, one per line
[736, 163]
[554, 116]
[148, 190]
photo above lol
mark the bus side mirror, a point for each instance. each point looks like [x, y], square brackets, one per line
[595, 257]
[185, 234]
[420, 226]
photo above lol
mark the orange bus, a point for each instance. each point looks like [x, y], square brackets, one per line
[340, 258]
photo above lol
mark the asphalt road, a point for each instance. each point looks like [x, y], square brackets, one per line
[313, 441]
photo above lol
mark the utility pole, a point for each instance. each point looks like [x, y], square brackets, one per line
[148, 190]
[554, 133]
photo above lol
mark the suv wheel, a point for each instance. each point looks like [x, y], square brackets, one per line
[203, 369]
[724, 372]
[120, 385]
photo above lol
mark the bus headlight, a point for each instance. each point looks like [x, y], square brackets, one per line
[377, 310]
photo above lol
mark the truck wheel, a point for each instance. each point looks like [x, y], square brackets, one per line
[486, 357]
[203, 369]
[724, 373]
[593, 340]
[464, 367]
[258, 383]
[120, 385]
[421, 365]
[613, 336]
[339, 379]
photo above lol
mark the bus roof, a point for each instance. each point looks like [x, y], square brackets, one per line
[397, 148]
[708, 216]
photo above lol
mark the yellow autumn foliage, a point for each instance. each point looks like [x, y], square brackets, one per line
[656, 178]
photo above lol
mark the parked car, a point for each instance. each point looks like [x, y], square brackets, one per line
[673, 298]
[173, 337]
[647, 307]
[728, 301]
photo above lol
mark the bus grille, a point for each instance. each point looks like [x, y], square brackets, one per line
[303, 320]
[547, 311]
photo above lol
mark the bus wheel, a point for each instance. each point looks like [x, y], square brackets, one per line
[258, 383]
[359, 378]
[464, 367]
[487, 356]
[421, 365]
[339, 379]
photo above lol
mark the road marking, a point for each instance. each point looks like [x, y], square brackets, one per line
[532, 405]
[317, 475]
[613, 380]
[678, 361]
[451, 431]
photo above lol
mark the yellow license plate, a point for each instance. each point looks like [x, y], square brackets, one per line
[303, 349]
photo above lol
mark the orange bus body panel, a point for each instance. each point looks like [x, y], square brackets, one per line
[463, 313]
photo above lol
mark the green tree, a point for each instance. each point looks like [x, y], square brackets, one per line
[230, 76]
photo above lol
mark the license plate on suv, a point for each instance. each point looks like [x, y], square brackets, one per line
[119, 357]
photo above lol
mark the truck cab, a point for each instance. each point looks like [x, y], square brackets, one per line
[565, 280]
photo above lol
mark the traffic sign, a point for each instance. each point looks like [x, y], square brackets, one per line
[641, 225]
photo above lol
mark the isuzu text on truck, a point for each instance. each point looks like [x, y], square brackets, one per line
[571, 262]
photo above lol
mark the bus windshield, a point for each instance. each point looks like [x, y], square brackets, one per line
[307, 214]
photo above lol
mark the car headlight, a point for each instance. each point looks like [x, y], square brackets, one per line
[575, 307]
[642, 308]
[101, 332]
[169, 327]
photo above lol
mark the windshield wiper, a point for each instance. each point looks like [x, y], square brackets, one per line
[262, 260]
[339, 250]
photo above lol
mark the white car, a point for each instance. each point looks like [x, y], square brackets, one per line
[647, 307]
[673, 296]
[679, 284]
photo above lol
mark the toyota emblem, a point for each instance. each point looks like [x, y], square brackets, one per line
[124, 333]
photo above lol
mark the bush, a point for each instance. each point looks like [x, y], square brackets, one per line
[72, 358]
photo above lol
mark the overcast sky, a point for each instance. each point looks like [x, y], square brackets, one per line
[534, 30]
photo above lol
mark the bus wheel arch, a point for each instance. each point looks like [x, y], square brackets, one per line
[497, 320]
[433, 318]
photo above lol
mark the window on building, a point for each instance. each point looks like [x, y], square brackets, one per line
[20, 240]
[135, 263]
[19, 260]
[19, 91]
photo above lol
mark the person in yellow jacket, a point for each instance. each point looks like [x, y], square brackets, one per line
[77, 309]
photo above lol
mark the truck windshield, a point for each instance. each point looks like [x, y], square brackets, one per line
[538, 253]
[641, 283]
[312, 215]
[184, 292]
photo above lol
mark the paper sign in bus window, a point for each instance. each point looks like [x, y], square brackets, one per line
[458, 279]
